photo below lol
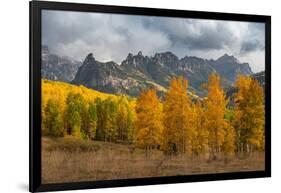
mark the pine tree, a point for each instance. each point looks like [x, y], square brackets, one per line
[149, 121]
[178, 132]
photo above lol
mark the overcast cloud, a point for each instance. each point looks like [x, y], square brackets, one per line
[112, 37]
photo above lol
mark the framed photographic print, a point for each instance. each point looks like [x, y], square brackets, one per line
[125, 96]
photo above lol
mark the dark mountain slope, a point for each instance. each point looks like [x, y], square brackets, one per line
[58, 68]
[137, 72]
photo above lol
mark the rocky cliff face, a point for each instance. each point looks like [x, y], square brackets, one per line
[59, 68]
[138, 72]
[228, 67]
[113, 78]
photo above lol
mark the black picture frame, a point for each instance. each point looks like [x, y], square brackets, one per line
[36, 7]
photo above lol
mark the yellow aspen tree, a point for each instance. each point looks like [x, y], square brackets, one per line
[228, 146]
[149, 125]
[215, 110]
[124, 119]
[73, 115]
[177, 129]
[200, 139]
[249, 114]
[53, 121]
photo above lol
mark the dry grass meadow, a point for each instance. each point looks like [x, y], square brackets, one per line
[72, 160]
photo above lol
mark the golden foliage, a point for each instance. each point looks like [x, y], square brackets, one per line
[215, 122]
[200, 138]
[178, 130]
[149, 125]
[58, 91]
[249, 114]
[181, 125]
[77, 104]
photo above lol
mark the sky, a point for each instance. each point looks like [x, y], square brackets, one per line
[110, 37]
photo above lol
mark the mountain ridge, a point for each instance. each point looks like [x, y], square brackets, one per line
[54, 67]
[136, 71]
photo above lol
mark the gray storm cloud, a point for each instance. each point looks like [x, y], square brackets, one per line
[113, 36]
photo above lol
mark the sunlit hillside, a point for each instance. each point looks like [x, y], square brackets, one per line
[59, 90]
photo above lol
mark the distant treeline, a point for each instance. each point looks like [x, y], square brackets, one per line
[175, 125]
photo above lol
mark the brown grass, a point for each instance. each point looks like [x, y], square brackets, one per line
[73, 160]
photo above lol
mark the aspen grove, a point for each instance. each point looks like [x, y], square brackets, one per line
[177, 124]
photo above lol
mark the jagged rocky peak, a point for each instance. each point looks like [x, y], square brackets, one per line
[128, 60]
[166, 56]
[139, 69]
[230, 61]
[130, 55]
[140, 53]
[228, 67]
[193, 60]
[224, 56]
[89, 58]
[135, 60]
[167, 59]
[139, 57]
[228, 58]
[197, 64]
